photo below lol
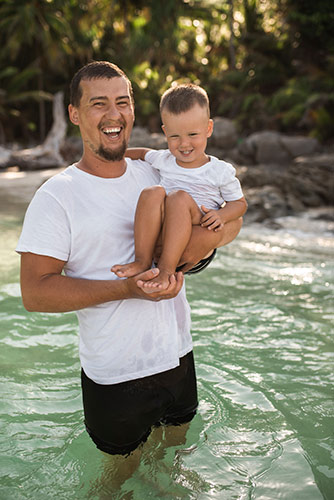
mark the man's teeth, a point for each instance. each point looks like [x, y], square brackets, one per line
[113, 130]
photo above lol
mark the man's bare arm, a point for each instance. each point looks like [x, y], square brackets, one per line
[136, 153]
[45, 289]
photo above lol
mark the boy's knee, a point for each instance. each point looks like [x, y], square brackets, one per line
[153, 192]
[181, 197]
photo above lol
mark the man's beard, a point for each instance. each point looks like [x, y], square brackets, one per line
[112, 154]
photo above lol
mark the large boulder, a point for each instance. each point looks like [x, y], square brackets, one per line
[142, 138]
[266, 202]
[224, 134]
[312, 179]
[305, 183]
[5, 154]
[275, 148]
[300, 145]
[264, 147]
[72, 149]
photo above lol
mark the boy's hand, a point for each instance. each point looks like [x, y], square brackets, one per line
[211, 219]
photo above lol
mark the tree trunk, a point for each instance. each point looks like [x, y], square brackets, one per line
[231, 45]
[47, 155]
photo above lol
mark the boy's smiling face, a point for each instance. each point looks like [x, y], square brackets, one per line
[187, 135]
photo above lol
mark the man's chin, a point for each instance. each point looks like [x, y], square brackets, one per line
[112, 154]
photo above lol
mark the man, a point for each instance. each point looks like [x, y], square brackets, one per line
[135, 348]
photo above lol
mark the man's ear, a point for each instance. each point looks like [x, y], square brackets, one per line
[73, 114]
[210, 128]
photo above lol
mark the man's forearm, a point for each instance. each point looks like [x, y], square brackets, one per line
[58, 293]
[45, 289]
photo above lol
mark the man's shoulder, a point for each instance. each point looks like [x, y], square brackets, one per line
[56, 183]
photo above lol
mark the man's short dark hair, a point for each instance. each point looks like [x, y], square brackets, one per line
[91, 71]
[183, 97]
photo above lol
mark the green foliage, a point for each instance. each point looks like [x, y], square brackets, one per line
[314, 22]
[321, 115]
[281, 77]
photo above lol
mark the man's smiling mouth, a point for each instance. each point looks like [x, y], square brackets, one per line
[112, 131]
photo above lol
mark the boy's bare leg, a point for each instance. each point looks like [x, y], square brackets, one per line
[202, 242]
[181, 213]
[148, 221]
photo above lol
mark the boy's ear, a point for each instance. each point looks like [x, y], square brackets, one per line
[210, 128]
[73, 114]
[163, 129]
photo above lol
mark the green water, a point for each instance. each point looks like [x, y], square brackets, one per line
[262, 329]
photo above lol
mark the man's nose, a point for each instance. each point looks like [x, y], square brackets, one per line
[112, 111]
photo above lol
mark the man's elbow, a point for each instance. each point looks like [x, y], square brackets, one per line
[30, 302]
[28, 305]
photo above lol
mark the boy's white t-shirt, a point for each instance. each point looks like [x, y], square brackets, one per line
[87, 221]
[210, 185]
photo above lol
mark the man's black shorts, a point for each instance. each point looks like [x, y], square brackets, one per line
[119, 417]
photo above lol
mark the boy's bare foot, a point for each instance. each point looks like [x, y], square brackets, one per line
[161, 282]
[129, 270]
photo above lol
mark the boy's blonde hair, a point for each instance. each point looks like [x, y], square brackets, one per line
[183, 97]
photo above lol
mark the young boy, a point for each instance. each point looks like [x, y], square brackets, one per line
[193, 187]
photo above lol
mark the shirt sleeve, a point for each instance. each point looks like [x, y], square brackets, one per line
[46, 229]
[155, 157]
[230, 187]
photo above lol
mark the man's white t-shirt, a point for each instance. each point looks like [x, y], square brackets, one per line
[210, 185]
[88, 222]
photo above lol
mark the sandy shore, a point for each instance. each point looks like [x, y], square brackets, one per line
[17, 188]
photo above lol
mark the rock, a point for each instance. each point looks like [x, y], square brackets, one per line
[140, 137]
[259, 175]
[157, 141]
[266, 202]
[4, 156]
[305, 183]
[275, 148]
[300, 145]
[229, 155]
[71, 149]
[224, 134]
[264, 147]
[313, 180]
[319, 160]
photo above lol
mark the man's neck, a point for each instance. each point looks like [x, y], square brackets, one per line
[102, 168]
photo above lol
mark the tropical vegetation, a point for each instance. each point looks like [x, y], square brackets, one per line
[266, 64]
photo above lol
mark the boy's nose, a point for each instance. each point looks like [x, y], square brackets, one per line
[184, 141]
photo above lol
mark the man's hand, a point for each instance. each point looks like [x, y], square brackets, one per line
[136, 285]
[211, 220]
